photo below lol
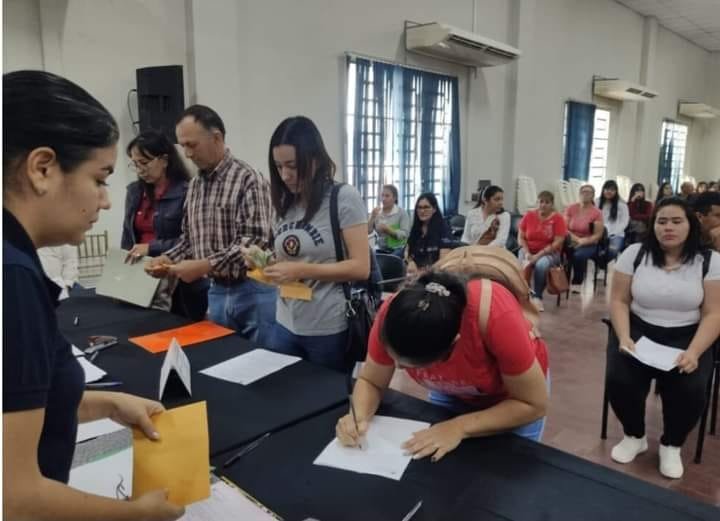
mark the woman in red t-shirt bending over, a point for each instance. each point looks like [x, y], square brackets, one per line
[495, 381]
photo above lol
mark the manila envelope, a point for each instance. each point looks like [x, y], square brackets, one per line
[179, 461]
[292, 290]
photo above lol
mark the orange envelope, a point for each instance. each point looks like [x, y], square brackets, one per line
[179, 461]
[293, 290]
[186, 335]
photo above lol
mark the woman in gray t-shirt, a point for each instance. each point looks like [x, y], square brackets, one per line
[301, 178]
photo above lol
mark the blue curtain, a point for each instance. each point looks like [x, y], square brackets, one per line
[580, 119]
[415, 106]
[666, 159]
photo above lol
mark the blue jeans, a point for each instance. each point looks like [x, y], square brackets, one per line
[540, 270]
[247, 307]
[579, 262]
[532, 431]
[325, 350]
[615, 246]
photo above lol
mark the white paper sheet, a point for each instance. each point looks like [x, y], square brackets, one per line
[104, 475]
[92, 372]
[382, 453]
[655, 355]
[77, 352]
[226, 502]
[94, 429]
[252, 366]
[176, 359]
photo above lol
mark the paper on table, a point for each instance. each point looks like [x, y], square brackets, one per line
[96, 428]
[382, 453]
[655, 355]
[293, 290]
[186, 335]
[106, 476]
[92, 372]
[77, 352]
[179, 461]
[227, 502]
[252, 366]
[175, 359]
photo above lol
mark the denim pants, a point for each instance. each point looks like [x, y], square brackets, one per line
[325, 350]
[615, 246]
[580, 257]
[540, 269]
[532, 431]
[247, 307]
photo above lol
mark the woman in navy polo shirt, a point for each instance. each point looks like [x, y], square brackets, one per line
[59, 147]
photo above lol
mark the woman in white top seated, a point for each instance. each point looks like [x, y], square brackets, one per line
[616, 217]
[488, 224]
[666, 289]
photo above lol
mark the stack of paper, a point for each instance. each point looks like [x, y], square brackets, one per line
[252, 366]
[654, 354]
[110, 475]
[227, 502]
[97, 428]
[382, 453]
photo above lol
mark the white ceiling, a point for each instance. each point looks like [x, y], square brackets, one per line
[696, 20]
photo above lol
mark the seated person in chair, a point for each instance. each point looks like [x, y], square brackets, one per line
[391, 223]
[430, 236]
[541, 237]
[493, 378]
[581, 218]
[488, 224]
[615, 216]
[667, 290]
[707, 210]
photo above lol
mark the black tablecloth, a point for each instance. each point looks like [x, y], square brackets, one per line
[236, 413]
[498, 478]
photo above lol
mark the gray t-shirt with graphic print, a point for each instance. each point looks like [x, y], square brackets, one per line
[313, 242]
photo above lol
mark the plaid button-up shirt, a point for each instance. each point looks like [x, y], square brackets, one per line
[225, 209]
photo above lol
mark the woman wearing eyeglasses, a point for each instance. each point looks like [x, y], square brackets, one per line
[429, 236]
[154, 214]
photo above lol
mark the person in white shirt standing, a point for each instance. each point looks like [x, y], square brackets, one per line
[616, 217]
[488, 224]
[666, 289]
[60, 264]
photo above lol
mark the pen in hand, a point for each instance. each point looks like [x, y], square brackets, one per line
[354, 417]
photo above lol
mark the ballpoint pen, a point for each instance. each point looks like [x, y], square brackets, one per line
[99, 385]
[412, 512]
[354, 417]
[247, 448]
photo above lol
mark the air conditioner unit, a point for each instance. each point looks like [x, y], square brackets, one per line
[622, 90]
[451, 44]
[697, 110]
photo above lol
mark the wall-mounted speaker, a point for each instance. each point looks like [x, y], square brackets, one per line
[161, 98]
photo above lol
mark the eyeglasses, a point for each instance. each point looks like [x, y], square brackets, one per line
[141, 167]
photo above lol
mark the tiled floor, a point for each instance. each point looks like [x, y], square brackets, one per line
[576, 338]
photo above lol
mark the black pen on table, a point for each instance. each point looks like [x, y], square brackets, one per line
[247, 448]
[354, 417]
[100, 385]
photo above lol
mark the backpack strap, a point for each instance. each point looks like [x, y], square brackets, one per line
[335, 225]
[638, 258]
[707, 255]
[484, 308]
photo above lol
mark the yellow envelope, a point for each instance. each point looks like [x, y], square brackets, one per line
[293, 290]
[179, 461]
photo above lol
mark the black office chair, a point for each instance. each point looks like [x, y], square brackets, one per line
[712, 396]
[392, 269]
[512, 243]
[457, 225]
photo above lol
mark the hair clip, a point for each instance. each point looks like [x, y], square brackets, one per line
[438, 289]
[424, 304]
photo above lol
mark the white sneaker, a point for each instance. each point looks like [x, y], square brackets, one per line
[538, 304]
[628, 448]
[575, 288]
[670, 462]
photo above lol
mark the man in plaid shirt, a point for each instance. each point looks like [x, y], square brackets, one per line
[227, 208]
